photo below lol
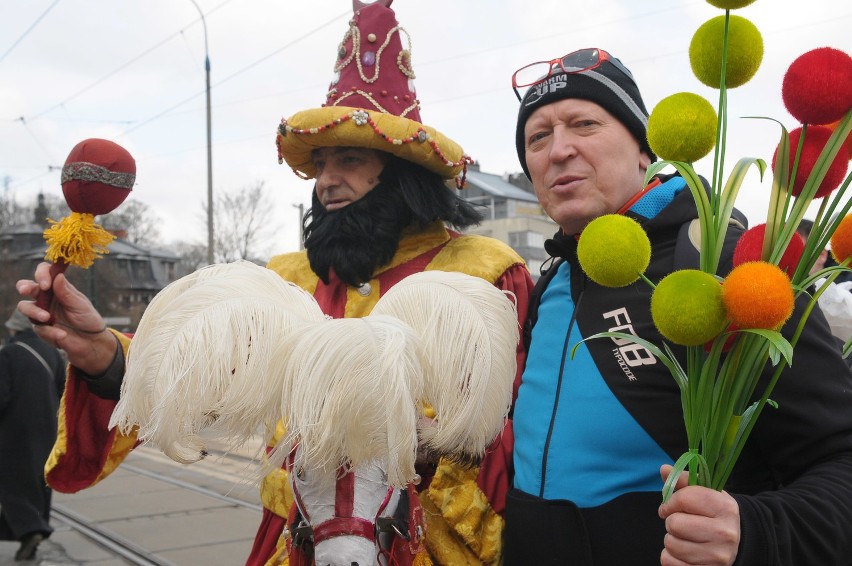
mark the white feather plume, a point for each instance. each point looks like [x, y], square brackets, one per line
[204, 354]
[469, 333]
[351, 396]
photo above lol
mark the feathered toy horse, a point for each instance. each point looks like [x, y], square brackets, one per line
[234, 348]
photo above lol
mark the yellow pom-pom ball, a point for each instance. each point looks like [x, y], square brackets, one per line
[745, 51]
[687, 307]
[841, 240]
[682, 127]
[758, 294]
[613, 250]
[729, 4]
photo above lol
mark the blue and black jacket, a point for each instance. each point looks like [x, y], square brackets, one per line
[591, 432]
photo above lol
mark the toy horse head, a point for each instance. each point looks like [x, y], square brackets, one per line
[361, 521]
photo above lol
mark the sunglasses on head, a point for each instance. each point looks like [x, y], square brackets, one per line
[575, 62]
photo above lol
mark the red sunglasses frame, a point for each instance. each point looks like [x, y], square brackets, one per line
[602, 56]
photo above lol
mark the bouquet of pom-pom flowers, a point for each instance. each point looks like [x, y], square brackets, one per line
[730, 325]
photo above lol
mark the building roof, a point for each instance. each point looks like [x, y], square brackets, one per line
[20, 229]
[496, 186]
[118, 248]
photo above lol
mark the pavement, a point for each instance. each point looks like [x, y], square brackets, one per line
[180, 526]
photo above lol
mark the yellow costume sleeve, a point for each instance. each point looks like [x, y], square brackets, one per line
[275, 492]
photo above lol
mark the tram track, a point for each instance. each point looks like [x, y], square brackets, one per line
[192, 487]
[109, 541]
[154, 512]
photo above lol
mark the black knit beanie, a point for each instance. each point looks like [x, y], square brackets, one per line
[605, 85]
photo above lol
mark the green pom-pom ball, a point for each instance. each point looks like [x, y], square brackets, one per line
[745, 51]
[613, 250]
[682, 127]
[730, 4]
[687, 307]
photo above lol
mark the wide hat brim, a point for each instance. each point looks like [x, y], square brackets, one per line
[342, 126]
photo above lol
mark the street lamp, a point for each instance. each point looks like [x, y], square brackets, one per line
[209, 143]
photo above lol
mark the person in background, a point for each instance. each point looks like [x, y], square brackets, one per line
[596, 430]
[381, 210]
[32, 377]
[836, 300]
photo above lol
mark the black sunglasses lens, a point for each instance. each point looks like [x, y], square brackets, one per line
[582, 59]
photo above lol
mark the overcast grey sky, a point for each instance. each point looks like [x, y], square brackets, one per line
[133, 72]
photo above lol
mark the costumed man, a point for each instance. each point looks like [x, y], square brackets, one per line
[32, 375]
[380, 212]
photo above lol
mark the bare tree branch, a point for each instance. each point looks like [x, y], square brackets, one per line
[242, 220]
[136, 220]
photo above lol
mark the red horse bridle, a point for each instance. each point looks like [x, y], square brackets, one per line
[405, 528]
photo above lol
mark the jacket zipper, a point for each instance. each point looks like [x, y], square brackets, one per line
[579, 298]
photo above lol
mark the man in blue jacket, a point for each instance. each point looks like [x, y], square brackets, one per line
[592, 431]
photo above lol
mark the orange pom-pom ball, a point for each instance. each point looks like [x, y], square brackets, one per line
[729, 4]
[687, 307]
[745, 51]
[815, 139]
[682, 127]
[758, 295]
[841, 240]
[817, 88]
[750, 248]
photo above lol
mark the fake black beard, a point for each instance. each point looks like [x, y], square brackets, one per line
[358, 238]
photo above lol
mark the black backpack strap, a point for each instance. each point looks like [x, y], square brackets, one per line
[687, 254]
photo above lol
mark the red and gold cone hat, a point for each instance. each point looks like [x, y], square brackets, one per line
[371, 102]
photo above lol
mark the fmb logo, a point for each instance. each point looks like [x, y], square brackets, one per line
[627, 353]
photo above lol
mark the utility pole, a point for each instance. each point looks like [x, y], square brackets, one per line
[210, 249]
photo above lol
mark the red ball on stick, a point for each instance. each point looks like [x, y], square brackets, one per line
[750, 247]
[816, 137]
[817, 88]
[97, 176]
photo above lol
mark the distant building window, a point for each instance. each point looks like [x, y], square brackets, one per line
[526, 239]
[141, 270]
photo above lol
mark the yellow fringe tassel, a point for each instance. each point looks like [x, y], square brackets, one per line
[76, 240]
[422, 559]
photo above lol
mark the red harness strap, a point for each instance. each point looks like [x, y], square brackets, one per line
[402, 551]
[416, 521]
[345, 526]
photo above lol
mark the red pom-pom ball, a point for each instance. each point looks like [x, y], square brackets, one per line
[750, 246]
[815, 140]
[97, 176]
[817, 88]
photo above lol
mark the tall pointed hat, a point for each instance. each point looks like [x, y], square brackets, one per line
[370, 103]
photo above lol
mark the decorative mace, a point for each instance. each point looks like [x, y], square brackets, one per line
[97, 176]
